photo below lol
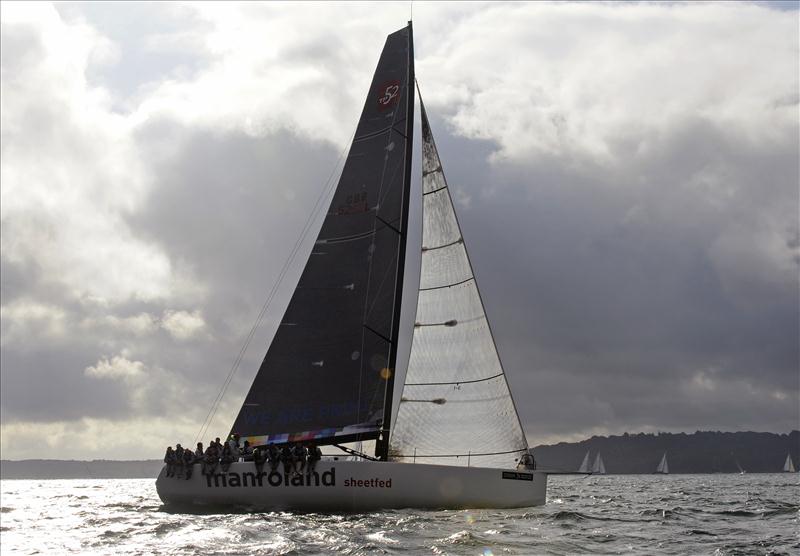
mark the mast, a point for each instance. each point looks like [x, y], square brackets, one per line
[382, 444]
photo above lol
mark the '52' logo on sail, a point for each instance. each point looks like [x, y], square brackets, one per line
[388, 95]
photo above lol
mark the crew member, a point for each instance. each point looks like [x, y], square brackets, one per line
[314, 455]
[169, 459]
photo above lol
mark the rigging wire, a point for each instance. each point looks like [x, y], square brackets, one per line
[284, 269]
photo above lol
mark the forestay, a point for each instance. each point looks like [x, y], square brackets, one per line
[456, 406]
[326, 372]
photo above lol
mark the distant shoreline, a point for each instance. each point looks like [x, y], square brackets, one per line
[46, 469]
[699, 453]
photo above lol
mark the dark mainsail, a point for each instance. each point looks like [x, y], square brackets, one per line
[329, 371]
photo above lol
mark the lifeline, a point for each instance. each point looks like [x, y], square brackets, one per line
[275, 479]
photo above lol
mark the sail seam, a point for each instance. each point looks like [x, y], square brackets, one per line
[342, 239]
[435, 190]
[456, 382]
[373, 134]
[459, 240]
[429, 172]
[447, 285]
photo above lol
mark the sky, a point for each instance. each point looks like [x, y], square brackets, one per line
[625, 174]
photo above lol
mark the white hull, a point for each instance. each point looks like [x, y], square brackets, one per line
[356, 486]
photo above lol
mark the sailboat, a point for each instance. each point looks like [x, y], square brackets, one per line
[788, 466]
[662, 467]
[453, 439]
[584, 468]
[599, 467]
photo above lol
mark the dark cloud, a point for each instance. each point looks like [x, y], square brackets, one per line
[605, 296]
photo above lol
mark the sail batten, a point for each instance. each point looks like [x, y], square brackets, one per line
[456, 407]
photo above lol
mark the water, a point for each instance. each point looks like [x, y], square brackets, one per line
[677, 514]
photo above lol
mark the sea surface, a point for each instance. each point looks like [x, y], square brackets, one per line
[613, 514]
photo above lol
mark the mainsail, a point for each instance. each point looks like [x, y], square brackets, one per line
[328, 374]
[788, 465]
[456, 406]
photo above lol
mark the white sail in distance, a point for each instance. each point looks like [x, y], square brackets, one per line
[788, 466]
[599, 467]
[584, 468]
[456, 407]
[663, 467]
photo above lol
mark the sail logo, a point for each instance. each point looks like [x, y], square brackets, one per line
[388, 95]
[273, 479]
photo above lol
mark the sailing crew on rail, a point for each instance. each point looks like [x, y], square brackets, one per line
[210, 459]
[178, 461]
[188, 463]
[246, 452]
[314, 455]
[226, 459]
[287, 457]
[233, 444]
[300, 453]
[259, 458]
[169, 459]
[274, 457]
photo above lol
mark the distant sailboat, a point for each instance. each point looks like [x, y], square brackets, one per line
[741, 469]
[599, 467]
[584, 468]
[663, 467]
[788, 467]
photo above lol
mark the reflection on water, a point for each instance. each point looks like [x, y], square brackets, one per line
[675, 514]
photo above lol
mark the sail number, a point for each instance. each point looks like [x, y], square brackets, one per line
[388, 94]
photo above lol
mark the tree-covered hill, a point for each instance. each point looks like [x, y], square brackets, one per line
[700, 452]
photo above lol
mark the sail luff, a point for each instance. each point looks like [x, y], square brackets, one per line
[382, 446]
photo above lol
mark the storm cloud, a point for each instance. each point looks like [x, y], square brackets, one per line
[626, 177]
